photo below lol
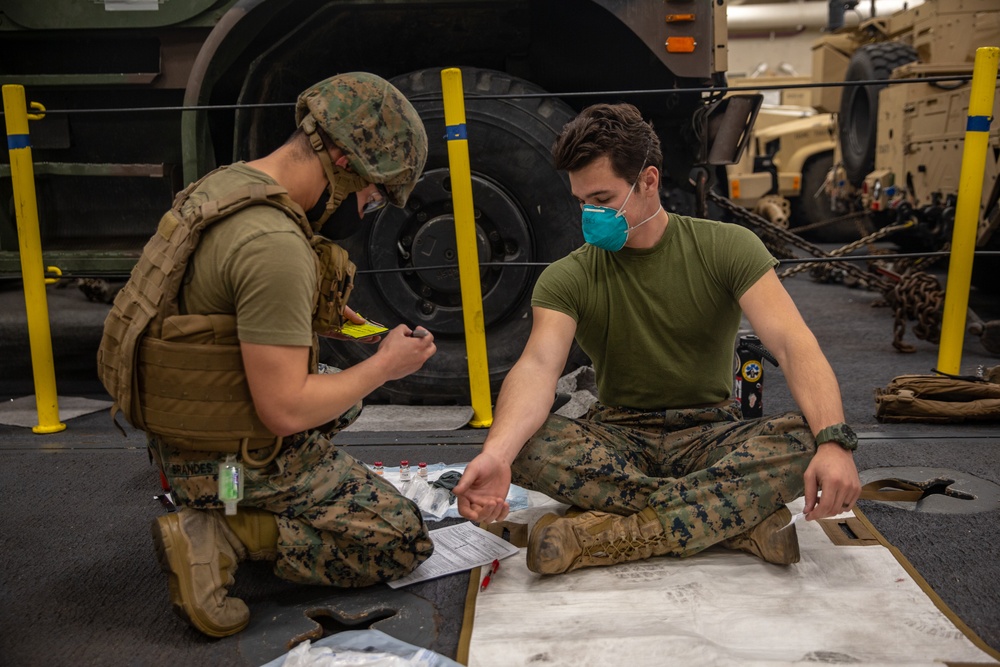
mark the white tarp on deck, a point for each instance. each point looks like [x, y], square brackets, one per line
[840, 604]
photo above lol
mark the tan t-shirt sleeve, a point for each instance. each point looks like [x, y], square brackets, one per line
[273, 281]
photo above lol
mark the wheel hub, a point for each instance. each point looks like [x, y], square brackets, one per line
[422, 236]
[434, 245]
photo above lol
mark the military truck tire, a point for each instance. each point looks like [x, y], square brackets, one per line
[859, 104]
[809, 208]
[524, 212]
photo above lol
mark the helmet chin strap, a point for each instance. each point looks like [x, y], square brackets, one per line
[340, 182]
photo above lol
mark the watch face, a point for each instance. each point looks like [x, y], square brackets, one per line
[846, 436]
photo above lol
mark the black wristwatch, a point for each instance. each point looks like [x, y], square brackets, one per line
[841, 433]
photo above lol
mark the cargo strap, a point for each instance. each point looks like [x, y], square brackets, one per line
[892, 490]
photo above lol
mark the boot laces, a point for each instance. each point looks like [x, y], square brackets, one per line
[620, 550]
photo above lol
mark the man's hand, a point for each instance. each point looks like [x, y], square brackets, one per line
[402, 353]
[351, 316]
[482, 491]
[833, 472]
[289, 399]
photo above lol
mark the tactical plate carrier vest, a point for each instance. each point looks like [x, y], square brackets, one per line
[181, 377]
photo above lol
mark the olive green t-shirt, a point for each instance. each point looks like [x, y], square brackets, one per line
[659, 323]
[256, 264]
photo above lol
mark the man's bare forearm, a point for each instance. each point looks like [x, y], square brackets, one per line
[812, 382]
[522, 407]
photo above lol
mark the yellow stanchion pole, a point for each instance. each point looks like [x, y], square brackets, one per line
[970, 193]
[468, 253]
[32, 270]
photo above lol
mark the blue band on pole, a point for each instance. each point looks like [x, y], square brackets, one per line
[18, 141]
[978, 124]
[455, 132]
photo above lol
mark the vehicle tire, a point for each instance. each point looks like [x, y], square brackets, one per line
[524, 212]
[813, 205]
[859, 104]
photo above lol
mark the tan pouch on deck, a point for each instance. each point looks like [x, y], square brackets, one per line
[940, 398]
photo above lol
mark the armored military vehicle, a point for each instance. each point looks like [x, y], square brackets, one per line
[900, 146]
[144, 96]
[782, 172]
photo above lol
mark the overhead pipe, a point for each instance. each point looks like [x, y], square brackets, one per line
[794, 15]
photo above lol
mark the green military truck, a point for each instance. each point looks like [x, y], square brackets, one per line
[144, 96]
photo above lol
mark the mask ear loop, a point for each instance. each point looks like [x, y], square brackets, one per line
[629, 229]
[621, 211]
[645, 161]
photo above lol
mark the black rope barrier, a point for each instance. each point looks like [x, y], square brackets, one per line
[793, 260]
[507, 96]
[900, 255]
[500, 265]
[606, 93]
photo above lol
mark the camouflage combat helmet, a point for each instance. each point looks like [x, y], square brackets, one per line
[374, 124]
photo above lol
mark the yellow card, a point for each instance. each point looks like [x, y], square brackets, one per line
[366, 330]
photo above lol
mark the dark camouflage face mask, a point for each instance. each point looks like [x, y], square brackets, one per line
[341, 183]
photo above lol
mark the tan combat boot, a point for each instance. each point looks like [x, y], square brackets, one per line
[257, 530]
[767, 540]
[199, 553]
[561, 544]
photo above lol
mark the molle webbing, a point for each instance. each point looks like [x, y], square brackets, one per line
[193, 389]
[335, 282]
[182, 376]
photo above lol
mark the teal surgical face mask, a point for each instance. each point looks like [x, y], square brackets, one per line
[606, 227]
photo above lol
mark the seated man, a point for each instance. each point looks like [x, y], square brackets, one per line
[663, 464]
[237, 284]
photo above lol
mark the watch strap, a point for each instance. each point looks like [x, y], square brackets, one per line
[841, 433]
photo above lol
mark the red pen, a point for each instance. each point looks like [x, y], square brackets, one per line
[493, 570]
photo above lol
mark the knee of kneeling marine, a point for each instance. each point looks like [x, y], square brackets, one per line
[405, 534]
[392, 559]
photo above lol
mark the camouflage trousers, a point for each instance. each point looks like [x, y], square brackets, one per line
[338, 523]
[708, 474]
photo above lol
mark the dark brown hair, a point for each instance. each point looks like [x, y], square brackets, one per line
[303, 147]
[615, 130]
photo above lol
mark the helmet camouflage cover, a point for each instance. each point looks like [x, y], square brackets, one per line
[374, 124]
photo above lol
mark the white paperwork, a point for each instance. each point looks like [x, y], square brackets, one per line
[798, 516]
[456, 549]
